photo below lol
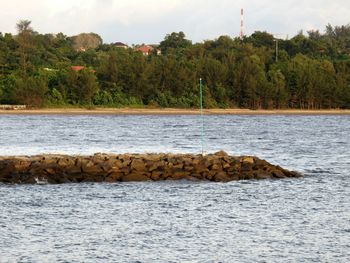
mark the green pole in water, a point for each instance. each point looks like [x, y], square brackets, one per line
[201, 105]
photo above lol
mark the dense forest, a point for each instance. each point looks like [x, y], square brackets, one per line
[308, 71]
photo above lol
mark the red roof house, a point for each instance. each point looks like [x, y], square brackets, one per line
[77, 68]
[145, 49]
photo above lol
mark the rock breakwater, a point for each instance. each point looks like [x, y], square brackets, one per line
[57, 169]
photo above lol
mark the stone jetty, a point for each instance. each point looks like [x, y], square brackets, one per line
[58, 169]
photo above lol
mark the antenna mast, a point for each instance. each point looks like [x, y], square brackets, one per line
[201, 105]
[241, 35]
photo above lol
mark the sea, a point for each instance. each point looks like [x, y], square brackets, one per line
[291, 220]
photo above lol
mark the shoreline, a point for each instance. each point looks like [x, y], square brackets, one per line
[167, 111]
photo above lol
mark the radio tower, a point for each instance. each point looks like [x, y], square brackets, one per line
[241, 35]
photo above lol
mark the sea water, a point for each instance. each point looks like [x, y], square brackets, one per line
[293, 220]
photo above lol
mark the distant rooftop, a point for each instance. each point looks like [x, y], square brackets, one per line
[120, 44]
[147, 49]
[77, 68]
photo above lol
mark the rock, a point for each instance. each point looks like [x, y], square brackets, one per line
[246, 167]
[261, 175]
[66, 162]
[116, 163]
[226, 166]
[59, 179]
[200, 168]
[278, 174]
[37, 170]
[152, 158]
[22, 165]
[106, 166]
[210, 175]
[135, 177]
[187, 160]
[179, 175]
[157, 175]
[293, 174]
[196, 161]
[248, 159]
[49, 159]
[114, 177]
[90, 168]
[50, 171]
[158, 165]
[100, 157]
[192, 178]
[188, 168]
[260, 164]
[247, 175]
[221, 154]
[7, 169]
[125, 170]
[179, 166]
[138, 165]
[125, 158]
[216, 167]
[222, 177]
[234, 176]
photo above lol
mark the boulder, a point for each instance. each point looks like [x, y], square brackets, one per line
[114, 177]
[216, 167]
[221, 154]
[248, 160]
[262, 175]
[278, 174]
[157, 175]
[65, 162]
[91, 168]
[138, 165]
[22, 165]
[222, 177]
[135, 177]
[178, 174]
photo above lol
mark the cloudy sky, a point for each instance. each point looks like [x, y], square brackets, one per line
[148, 21]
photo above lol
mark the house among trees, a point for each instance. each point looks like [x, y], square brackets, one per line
[148, 49]
[120, 45]
[77, 68]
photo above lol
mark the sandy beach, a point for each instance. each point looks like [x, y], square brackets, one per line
[168, 111]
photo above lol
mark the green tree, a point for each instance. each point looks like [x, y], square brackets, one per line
[25, 42]
[30, 91]
[174, 41]
[261, 39]
[280, 95]
[83, 86]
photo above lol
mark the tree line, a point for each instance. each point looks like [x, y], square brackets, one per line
[309, 71]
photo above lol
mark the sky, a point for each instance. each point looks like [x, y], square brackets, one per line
[148, 21]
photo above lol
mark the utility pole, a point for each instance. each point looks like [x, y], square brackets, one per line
[278, 37]
[241, 35]
[276, 40]
[201, 105]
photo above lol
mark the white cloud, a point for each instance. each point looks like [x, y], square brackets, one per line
[136, 21]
